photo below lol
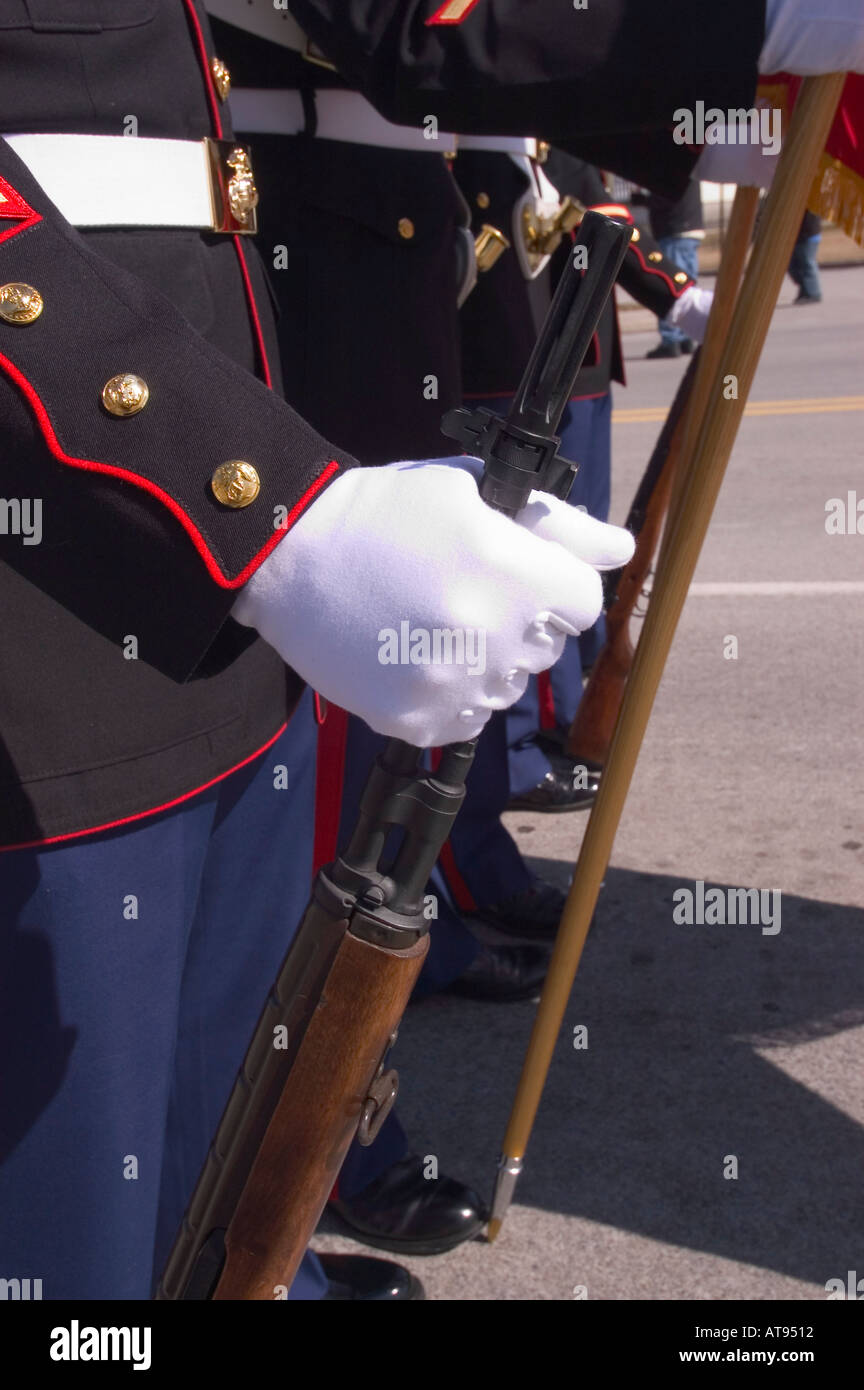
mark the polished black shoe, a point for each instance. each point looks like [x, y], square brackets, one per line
[404, 1211]
[560, 790]
[503, 974]
[665, 350]
[807, 298]
[534, 914]
[687, 346]
[372, 1281]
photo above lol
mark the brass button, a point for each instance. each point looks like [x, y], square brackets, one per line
[406, 228]
[235, 483]
[680, 277]
[20, 303]
[482, 200]
[221, 78]
[125, 394]
[635, 234]
[655, 255]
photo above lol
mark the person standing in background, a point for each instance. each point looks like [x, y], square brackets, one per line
[803, 266]
[677, 228]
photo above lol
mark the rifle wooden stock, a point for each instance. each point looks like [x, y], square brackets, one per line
[593, 725]
[292, 1113]
[364, 998]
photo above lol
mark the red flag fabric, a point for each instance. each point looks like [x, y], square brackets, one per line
[838, 189]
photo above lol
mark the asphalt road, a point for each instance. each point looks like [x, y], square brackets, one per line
[706, 1043]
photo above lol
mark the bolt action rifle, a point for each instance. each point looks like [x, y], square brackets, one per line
[315, 1071]
[591, 732]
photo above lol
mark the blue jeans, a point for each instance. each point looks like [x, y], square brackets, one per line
[804, 269]
[684, 251]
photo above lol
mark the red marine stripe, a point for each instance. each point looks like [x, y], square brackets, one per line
[546, 699]
[154, 810]
[329, 774]
[94, 466]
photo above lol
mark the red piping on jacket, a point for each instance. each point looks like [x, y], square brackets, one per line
[253, 311]
[14, 206]
[113, 471]
[216, 118]
[677, 290]
[154, 811]
[205, 68]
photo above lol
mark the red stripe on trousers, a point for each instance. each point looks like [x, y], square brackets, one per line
[329, 775]
[546, 700]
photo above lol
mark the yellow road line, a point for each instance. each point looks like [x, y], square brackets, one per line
[806, 405]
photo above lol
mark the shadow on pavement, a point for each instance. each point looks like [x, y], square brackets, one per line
[688, 1035]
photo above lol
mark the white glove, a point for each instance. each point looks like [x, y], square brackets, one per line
[690, 312]
[809, 37]
[402, 597]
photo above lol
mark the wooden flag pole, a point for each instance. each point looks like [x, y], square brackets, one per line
[741, 221]
[811, 120]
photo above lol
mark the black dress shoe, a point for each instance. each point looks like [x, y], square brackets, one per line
[503, 973]
[360, 1276]
[687, 346]
[665, 350]
[534, 913]
[559, 791]
[803, 298]
[413, 1215]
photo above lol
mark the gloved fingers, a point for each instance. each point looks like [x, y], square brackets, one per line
[690, 312]
[596, 542]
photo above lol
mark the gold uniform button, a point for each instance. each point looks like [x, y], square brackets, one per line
[482, 200]
[406, 228]
[655, 255]
[125, 394]
[634, 236]
[235, 483]
[20, 303]
[221, 78]
[680, 277]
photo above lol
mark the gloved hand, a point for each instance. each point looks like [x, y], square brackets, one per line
[402, 597]
[690, 312]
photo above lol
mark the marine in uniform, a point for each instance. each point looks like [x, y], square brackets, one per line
[149, 883]
[499, 324]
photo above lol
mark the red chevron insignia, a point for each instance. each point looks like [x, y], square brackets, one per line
[452, 12]
[11, 203]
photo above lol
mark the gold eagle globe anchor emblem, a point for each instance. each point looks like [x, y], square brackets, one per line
[20, 303]
[242, 193]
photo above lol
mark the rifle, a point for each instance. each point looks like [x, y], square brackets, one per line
[591, 731]
[314, 1073]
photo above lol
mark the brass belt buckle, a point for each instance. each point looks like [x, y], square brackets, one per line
[233, 194]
